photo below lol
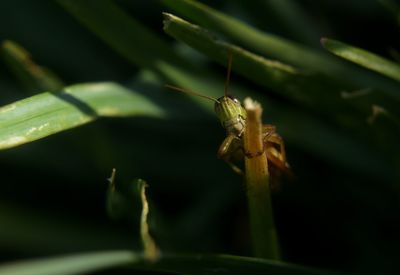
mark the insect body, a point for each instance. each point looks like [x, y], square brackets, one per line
[232, 116]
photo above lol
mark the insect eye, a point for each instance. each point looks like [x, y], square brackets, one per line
[234, 99]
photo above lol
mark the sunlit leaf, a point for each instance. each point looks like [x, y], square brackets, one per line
[49, 113]
[363, 58]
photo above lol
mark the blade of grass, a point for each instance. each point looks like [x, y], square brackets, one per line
[187, 264]
[33, 77]
[151, 251]
[45, 114]
[74, 264]
[280, 48]
[272, 74]
[264, 235]
[363, 58]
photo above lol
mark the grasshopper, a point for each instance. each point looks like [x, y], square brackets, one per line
[232, 116]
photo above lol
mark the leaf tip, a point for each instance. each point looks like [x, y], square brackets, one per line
[167, 19]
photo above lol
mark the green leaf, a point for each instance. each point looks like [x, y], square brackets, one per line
[47, 113]
[74, 264]
[363, 58]
[263, 71]
[151, 251]
[181, 264]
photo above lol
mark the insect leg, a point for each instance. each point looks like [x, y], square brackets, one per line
[227, 149]
[271, 136]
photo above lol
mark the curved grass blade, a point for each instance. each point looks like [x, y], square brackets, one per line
[181, 264]
[47, 113]
[74, 264]
[151, 251]
[363, 58]
[272, 74]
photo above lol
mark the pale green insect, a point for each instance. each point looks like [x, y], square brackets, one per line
[232, 116]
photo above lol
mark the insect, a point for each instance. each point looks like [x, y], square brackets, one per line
[232, 116]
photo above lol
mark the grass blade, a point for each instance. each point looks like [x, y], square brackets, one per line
[363, 58]
[74, 264]
[151, 251]
[263, 231]
[186, 264]
[268, 73]
[46, 113]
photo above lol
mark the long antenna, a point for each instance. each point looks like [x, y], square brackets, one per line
[190, 92]
[228, 73]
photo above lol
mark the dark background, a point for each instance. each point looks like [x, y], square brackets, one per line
[53, 191]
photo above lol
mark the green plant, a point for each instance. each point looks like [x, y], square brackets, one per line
[110, 59]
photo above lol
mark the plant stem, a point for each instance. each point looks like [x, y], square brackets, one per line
[151, 251]
[263, 232]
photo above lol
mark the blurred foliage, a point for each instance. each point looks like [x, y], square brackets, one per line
[340, 122]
